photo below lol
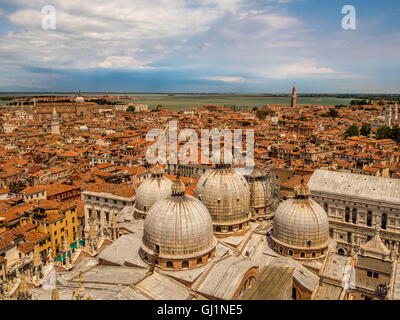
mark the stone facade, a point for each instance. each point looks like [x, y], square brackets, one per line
[352, 218]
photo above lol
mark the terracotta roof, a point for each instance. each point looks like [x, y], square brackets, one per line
[115, 189]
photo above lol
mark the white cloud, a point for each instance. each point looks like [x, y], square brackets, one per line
[118, 62]
[227, 79]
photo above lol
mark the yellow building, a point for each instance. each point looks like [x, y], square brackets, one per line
[57, 219]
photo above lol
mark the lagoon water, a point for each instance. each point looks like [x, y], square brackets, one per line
[187, 101]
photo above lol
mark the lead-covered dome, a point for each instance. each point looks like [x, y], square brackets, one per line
[260, 193]
[178, 232]
[300, 226]
[225, 193]
[151, 190]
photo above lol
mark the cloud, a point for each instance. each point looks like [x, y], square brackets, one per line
[216, 40]
[302, 69]
[227, 79]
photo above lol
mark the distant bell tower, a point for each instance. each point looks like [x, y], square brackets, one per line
[55, 122]
[294, 97]
[388, 116]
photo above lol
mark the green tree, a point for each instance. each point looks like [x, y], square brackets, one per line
[396, 133]
[352, 131]
[16, 187]
[365, 130]
[333, 113]
[131, 109]
[384, 133]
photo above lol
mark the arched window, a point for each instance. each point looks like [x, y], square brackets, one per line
[170, 264]
[290, 252]
[354, 215]
[157, 249]
[230, 228]
[384, 221]
[326, 207]
[369, 218]
[341, 251]
[199, 261]
[218, 229]
[302, 254]
[185, 264]
[313, 254]
[309, 243]
[280, 249]
[347, 214]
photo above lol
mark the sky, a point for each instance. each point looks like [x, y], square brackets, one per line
[241, 46]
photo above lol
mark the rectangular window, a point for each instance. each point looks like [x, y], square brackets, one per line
[369, 274]
[376, 275]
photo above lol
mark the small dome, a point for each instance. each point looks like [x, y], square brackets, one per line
[151, 190]
[79, 99]
[300, 223]
[260, 191]
[83, 128]
[178, 227]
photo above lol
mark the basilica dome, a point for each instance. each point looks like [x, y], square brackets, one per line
[260, 193]
[300, 226]
[178, 232]
[151, 190]
[225, 193]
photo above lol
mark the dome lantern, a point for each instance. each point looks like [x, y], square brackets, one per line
[178, 187]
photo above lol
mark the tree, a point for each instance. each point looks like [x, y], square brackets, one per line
[396, 133]
[131, 109]
[333, 113]
[365, 130]
[16, 187]
[384, 133]
[352, 131]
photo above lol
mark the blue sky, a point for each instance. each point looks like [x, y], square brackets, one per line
[249, 46]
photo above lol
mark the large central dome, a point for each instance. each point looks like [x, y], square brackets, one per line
[225, 193]
[301, 226]
[178, 232]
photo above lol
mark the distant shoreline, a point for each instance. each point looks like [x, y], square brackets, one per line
[275, 95]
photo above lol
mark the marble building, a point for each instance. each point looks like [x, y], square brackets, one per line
[354, 204]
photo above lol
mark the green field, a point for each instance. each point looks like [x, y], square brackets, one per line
[182, 101]
[186, 101]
